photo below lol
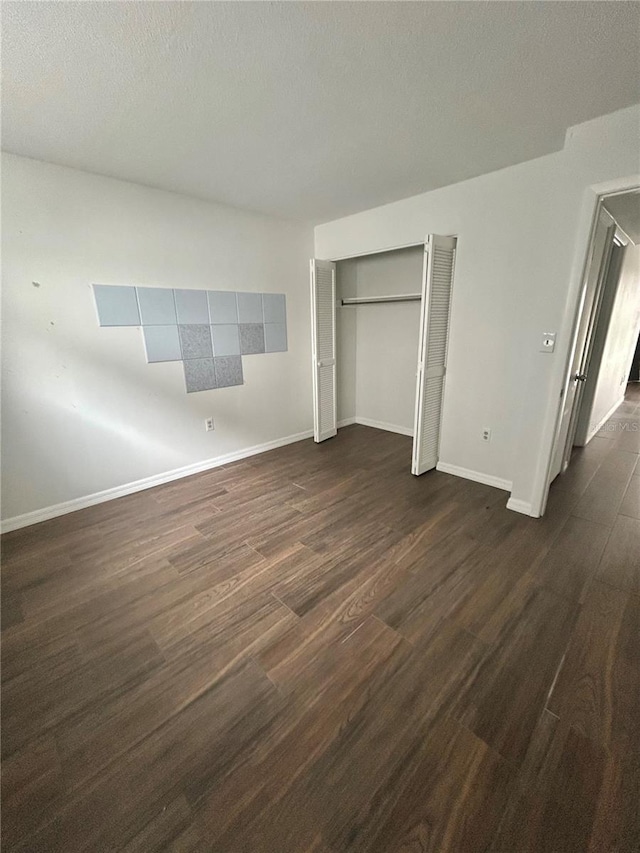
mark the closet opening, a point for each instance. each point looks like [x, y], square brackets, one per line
[380, 333]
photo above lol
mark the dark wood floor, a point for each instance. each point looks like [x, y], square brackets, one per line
[314, 651]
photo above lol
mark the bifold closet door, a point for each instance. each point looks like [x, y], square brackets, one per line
[323, 343]
[437, 280]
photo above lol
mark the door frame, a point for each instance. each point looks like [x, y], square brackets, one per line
[570, 325]
[388, 249]
[377, 251]
[605, 219]
[610, 284]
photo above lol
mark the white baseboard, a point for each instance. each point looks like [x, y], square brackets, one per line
[54, 511]
[521, 506]
[346, 422]
[593, 432]
[476, 476]
[383, 425]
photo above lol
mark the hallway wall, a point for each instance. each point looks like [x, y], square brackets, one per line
[621, 334]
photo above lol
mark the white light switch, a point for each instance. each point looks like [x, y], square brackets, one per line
[548, 343]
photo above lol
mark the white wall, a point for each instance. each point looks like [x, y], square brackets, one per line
[519, 234]
[378, 344]
[621, 335]
[82, 411]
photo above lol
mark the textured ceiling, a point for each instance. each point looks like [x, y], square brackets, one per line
[625, 209]
[308, 110]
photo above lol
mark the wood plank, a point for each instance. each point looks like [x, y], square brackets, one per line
[598, 687]
[620, 564]
[602, 499]
[573, 558]
[631, 501]
[502, 702]
[313, 651]
[453, 801]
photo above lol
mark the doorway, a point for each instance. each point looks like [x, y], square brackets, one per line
[607, 328]
[380, 330]
[378, 324]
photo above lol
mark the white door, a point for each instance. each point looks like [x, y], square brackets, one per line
[323, 345]
[598, 260]
[437, 280]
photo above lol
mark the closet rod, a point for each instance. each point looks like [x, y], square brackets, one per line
[364, 300]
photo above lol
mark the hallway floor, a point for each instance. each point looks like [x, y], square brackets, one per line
[312, 651]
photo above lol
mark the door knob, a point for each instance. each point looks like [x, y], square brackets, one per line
[580, 377]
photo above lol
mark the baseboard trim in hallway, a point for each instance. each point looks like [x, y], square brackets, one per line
[595, 430]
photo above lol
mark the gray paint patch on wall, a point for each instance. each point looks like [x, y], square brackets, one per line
[206, 329]
[195, 341]
[251, 338]
[228, 370]
[200, 374]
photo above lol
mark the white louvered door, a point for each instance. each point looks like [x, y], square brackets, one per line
[323, 344]
[437, 279]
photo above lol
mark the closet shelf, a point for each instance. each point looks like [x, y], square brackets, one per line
[365, 300]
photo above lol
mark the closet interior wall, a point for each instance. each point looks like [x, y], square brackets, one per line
[377, 344]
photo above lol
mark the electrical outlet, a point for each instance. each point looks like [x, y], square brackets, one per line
[486, 434]
[208, 424]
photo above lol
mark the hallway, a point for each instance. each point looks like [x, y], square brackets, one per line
[604, 473]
